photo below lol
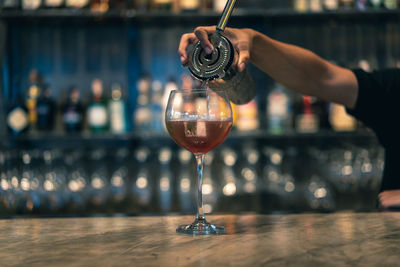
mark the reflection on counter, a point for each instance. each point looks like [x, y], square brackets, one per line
[146, 180]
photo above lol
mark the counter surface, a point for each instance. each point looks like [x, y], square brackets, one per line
[341, 239]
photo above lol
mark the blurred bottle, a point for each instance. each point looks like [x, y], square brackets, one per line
[169, 86]
[73, 112]
[347, 4]
[99, 6]
[141, 5]
[307, 121]
[117, 110]
[10, 4]
[361, 4]
[97, 115]
[31, 4]
[390, 4]
[142, 115]
[301, 5]
[189, 5]
[33, 94]
[331, 5]
[165, 179]
[219, 5]
[278, 111]
[54, 3]
[17, 117]
[315, 5]
[46, 111]
[246, 116]
[157, 114]
[77, 4]
[161, 4]
[340, 120]
[376, 3]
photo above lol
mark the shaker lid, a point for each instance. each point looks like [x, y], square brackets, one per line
[215, 65]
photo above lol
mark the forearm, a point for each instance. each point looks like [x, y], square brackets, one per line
[303, 71]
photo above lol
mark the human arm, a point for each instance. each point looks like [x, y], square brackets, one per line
[298, 69]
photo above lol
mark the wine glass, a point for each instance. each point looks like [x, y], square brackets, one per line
[198, 120]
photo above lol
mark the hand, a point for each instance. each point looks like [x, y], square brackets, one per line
[389, 198]
[241, 40]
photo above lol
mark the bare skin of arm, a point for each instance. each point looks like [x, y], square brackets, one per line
[298, 69]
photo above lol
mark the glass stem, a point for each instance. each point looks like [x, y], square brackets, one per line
[200, 211]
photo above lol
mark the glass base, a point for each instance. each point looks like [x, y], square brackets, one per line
[200, 227]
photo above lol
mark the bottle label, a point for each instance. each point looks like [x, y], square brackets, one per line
[189, 4]
[53, 3]
[72, 117]
[17, 119]
[307, 123]
[117, 117]
[331, 4]
[97, 116]
[31, 4]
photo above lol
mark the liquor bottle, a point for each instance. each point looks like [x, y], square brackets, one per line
[31, 4]
[9, 4]
[162, 4]
[17, 117]
[307, 121]
[346, 4]
[72, 112]
[165, 179]
[46, 110]
[219, 5]
[247, 116]
[156, 108]
[141, 5]
[315, 5]
[117, 109]
[278, 111]
[99, 6]
[142, 115]
[331, 5]
[33, 94]
[53, 3]
[390, 4]
[301, 5]
[76, 4]
[189, 5]
[376, 3]
[97, 115]
[361, 4]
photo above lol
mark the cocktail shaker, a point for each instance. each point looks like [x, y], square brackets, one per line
[217, 67]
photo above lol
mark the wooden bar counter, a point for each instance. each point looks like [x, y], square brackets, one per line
[336, 239]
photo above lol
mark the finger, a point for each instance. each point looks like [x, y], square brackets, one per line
[186, 40]
[244, 55]
[202, 34]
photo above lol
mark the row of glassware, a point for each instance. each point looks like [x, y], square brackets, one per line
[163, 180]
